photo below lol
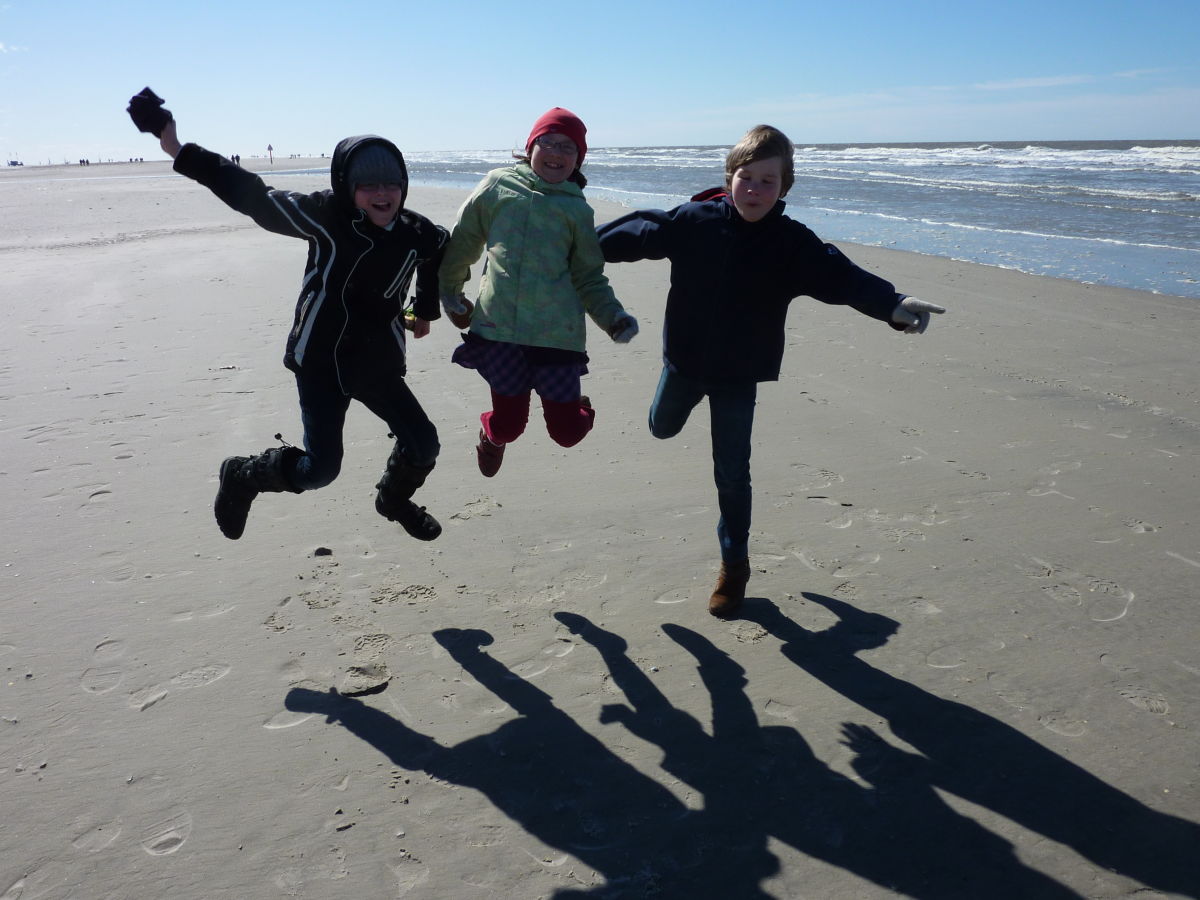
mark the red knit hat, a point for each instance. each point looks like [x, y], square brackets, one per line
[564, 122]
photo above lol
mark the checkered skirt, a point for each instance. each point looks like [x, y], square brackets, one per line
[515, 369]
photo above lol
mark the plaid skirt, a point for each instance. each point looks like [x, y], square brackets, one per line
[515, 369]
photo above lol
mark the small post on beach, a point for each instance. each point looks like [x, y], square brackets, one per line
[270, 151]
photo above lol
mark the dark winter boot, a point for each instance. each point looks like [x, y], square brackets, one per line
[393, 502]
[243, 478]
[727, 598]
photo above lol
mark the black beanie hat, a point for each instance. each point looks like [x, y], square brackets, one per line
[374, 164]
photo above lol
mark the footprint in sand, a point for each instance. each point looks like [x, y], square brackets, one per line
[777, 710]
[920, 605]
[1047, 485]
[480, 506]
[673, 596]
[145, 698]
[96, 838]
[371, 646]
[116, 568]
[812, 478]
[279, 621]
[365, 678]
[96, 504]
[168, 835]
[1104, 600]
[192, 615]
[579, 584]
[293, 673]
[410, 594]
[853, 566]
[954, 654]
[1054, 719]
[1142, 697]
[105, 673]
[532, 668]
[1108, 601]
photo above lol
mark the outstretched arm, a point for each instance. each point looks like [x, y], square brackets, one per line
[169, 140]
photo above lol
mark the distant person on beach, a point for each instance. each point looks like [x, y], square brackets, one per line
[543, 271]
[737, 262]
[347, 341]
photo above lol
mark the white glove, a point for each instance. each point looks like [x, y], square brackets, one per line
[914, 314]
[624, 329]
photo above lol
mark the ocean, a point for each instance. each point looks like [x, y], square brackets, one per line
[1123, 213]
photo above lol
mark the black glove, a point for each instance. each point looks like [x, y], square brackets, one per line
[147, 111]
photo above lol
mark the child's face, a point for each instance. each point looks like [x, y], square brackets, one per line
[553, 157]
[756, 186]
[380, 201]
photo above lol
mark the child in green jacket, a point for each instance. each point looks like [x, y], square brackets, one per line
[543, 271]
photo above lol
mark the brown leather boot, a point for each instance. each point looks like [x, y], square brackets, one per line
[727, 599]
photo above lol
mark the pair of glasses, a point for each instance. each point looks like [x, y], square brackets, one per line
[564, 147]
[372, 186]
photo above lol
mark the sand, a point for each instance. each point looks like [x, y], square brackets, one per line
[968, 666]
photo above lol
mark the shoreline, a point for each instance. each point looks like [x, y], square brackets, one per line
[46, 230]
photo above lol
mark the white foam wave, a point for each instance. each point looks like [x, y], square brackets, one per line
[963, 226]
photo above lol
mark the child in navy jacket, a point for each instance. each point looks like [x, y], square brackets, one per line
[734, 251]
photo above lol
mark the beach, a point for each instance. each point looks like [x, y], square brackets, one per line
[967, 666]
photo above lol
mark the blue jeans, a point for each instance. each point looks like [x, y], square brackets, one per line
[323, 411]
[731, 407]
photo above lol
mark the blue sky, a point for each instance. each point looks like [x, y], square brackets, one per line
[474, 75]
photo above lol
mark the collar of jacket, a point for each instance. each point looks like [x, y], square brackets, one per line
[774, 215]
[722, 196]
[525, 173]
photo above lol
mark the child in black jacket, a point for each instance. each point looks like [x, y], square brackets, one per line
[735, 257]
[347, 340]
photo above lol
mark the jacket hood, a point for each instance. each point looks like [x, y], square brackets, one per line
[341, 155]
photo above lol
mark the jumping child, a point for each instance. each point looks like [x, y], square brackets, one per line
[737, 262]
[543, 271]
[347, 340]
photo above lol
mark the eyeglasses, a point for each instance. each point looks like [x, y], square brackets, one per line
[372, 187]
[566, 148]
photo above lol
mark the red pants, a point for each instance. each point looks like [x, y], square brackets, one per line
[566, 423]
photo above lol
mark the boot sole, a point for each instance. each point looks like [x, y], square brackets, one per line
[233, 533]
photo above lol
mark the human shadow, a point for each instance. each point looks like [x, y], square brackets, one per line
[567, 788]
[765, 782]
[981, 759]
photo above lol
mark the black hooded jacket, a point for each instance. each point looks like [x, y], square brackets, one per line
[349, 315]
[732, 282]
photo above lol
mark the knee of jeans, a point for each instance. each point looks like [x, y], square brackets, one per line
[662, 431]
[423, 454]
[312, 473]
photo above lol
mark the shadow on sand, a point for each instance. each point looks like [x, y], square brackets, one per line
[891, 827]
[979, 758]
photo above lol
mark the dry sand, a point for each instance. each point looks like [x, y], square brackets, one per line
[969, 667]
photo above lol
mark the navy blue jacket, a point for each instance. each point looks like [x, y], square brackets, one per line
[732, 281]
[349, 315]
